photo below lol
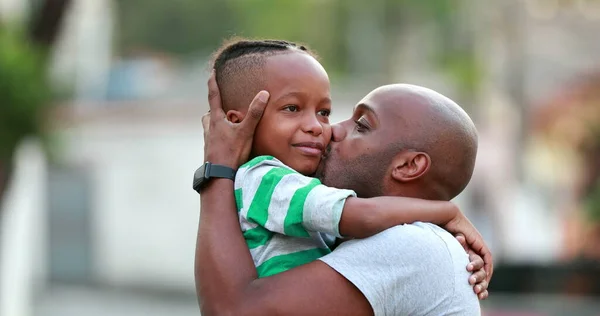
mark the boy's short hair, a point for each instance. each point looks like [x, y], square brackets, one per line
[239, 65]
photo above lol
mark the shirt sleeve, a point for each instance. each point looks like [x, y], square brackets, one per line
[283, 201]
[406, 270]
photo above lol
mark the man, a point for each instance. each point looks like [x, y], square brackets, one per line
[402, 140]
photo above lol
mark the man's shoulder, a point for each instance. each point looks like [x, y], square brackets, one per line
[418, 231]
[418, 245]
[417, 242]
[419, 264]
[423, 241]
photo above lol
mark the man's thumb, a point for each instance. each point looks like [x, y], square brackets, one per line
[256, 110]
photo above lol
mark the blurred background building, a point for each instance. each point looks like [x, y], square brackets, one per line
[99, 217]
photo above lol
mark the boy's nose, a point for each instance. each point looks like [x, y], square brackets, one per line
[312, 125]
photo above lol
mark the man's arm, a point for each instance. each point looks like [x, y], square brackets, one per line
[226, 278]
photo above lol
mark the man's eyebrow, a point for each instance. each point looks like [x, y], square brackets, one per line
[365, 107]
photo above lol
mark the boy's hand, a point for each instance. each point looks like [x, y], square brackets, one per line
[473, 241]
[478, 278]
[225, 142]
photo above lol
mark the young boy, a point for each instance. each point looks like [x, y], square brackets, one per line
[287, 217]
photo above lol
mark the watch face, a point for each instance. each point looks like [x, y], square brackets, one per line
[208, 171]
[199, 177]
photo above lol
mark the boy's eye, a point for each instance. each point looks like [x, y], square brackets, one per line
[291, 108]
[324, 113]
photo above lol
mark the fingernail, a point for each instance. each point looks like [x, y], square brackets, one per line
[478, 288]
[473, 280]
[264, 96]
[470, 266]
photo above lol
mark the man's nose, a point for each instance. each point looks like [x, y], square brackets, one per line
[312, 125]
[338, 132]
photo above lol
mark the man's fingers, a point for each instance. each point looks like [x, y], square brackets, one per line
[214, 97]
[256, 110]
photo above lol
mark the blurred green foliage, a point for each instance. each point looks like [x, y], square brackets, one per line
[592, 203]
[181, 27]
[191, 27]
[24, 92]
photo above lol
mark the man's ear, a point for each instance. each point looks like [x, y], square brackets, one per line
[234, 116]
[410, 165]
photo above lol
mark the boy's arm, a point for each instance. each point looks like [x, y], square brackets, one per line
[366, 217]
[286, 202]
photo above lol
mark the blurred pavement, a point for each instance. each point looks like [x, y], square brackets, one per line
[87, 301]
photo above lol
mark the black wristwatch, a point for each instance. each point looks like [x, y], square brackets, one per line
[207, 171]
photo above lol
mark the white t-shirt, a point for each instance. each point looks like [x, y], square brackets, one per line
[413, 269]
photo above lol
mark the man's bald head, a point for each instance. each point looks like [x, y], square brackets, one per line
[434, 124]
[239, 69]
[403, 140]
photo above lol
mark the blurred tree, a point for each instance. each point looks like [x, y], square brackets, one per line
[455, 52]
[46, 23]
[190, 27]
[24, 91]
[312, 22]
[352, 37]
[572, 119]
[181, 27]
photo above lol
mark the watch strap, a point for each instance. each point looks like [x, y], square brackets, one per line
[219, 171]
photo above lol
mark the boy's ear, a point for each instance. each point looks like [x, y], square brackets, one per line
[234, 116]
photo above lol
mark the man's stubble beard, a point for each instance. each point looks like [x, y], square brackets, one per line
[363, 174]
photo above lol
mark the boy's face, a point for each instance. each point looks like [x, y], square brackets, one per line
[295, 125]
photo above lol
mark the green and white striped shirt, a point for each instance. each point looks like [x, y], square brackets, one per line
[287, 219]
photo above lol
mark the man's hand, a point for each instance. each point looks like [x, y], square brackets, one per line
[228, 143]
[473, 239]
[479, 278]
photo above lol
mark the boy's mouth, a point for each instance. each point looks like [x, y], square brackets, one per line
[310, 148]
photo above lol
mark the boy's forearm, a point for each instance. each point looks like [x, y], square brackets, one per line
[366, 217]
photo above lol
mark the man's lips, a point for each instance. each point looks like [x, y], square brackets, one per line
[310, 148]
